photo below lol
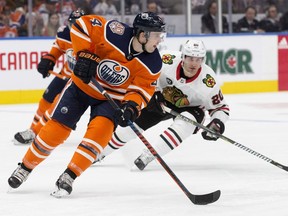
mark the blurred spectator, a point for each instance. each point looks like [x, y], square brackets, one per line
[37, 25]
[111, 8]
[2, 5]
[271, 22]
[46, 8]
[105, 7]
[17, 18]
[282, 6]
[6, 30]
[284, 22]
[209, 22]
[135, 7]
[248, 23]
[239, 6]
[53, 25]
[65, 7]
[85, 5]
[198, 6]
[152, 6]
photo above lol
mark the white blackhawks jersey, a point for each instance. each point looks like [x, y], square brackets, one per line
[202, 90]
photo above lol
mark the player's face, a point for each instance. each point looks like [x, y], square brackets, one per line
[153, 41]
[191, 65]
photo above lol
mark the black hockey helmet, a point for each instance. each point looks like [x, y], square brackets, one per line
[74, 16]
[148, 22]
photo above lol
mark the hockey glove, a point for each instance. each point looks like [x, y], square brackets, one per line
[46, 63]
[85, 67]
[129, 112]
[155, 103]
[215, 125]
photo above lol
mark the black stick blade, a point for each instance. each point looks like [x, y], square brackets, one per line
[205, 198]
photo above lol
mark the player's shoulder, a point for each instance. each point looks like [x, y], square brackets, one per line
[207, 69]
[92, 20]
[88, 23]
[152, 61]
[116, 30]
[209, 78]
[170, 57]
[63, 32]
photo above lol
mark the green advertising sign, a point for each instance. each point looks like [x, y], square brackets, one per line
[231, 62]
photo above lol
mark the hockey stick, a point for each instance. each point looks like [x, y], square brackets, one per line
[58, 75]
[196, 199]
[174, 113]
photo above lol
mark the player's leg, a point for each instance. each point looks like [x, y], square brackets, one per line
[122, 135]
[27, 136]
[99, 132]
[64, 118]
[54, 88]
[172, 137]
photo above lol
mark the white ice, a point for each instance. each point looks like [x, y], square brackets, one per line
[249, 185]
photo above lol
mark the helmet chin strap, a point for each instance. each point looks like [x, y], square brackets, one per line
[146, 35]
[143, 44]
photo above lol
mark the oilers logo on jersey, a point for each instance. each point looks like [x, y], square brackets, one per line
[112, 72]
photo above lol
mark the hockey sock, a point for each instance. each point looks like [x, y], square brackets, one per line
[98, 134]
[49, 137]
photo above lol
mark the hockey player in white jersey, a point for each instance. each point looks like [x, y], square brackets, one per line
[188, 86]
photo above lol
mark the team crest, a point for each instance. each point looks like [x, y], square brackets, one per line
[112, 72]
[117, 27]
[175, 96]
[209, 81]
[168, 58]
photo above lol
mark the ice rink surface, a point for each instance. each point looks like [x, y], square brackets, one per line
[249, 185]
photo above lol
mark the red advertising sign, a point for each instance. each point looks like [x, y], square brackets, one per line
[283, 62]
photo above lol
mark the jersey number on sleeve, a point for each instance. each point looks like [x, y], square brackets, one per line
[216, 99]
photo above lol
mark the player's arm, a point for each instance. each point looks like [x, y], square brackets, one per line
[87, 59]
[219, 112]
[48, 60]
[138, 94]
[142, 88]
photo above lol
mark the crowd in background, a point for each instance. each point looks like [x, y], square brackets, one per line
[49, 15]
[273, 21]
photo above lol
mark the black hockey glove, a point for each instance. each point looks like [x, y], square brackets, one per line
[129, 112]
[155, 103]
[215, 125]
[85, 67]
[46, 63]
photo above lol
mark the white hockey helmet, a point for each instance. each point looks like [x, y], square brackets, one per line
[194, 48]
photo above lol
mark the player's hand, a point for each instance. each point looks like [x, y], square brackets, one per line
[86, 65]
[46, 63]
[156, 102]
[129, 112]
[215, 125]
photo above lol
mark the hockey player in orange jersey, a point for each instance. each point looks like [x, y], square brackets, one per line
[62, 45]
[126, 62]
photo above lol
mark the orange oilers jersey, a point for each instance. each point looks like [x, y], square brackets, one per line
[62, 45]
[123, 79]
